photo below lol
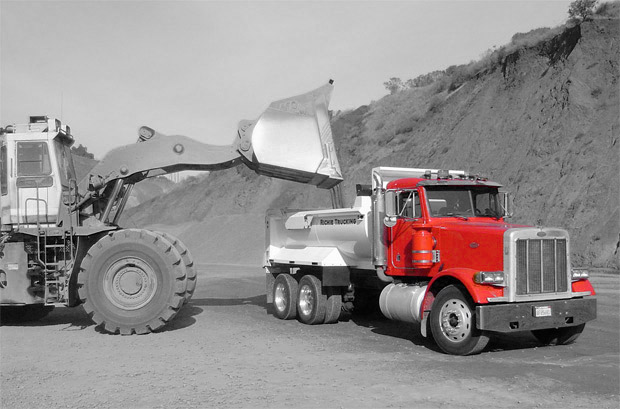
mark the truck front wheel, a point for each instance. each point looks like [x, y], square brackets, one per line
[132, 281]
[285, 297]
[311, 302]
[559, 336]
[453, 323]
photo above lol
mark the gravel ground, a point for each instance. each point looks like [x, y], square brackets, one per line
[224, 350]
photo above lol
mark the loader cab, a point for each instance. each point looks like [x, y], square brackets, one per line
[36, 173]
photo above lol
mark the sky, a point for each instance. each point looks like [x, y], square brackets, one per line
[197, 68]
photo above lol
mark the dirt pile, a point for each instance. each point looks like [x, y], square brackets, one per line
[543, 121]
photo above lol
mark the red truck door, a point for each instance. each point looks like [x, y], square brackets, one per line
[400, 236]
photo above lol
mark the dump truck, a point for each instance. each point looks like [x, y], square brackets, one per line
[60, 238]
[431, 247]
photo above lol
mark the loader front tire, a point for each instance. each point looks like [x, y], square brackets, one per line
[188, 262]
[132, 281]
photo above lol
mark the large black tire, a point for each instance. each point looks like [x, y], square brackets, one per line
[24, 313]
[333, 306]
[132, 281]
[188, 262]
[285, 297]
[453, 323]
[559, 336]
[311, 302]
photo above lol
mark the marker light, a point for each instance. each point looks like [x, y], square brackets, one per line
[579, 274]
[490, 278]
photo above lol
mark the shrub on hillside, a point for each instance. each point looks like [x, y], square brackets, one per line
[394, 85]
[581, 9]
[82, 151]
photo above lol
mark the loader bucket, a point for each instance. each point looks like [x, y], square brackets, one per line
[293, 140]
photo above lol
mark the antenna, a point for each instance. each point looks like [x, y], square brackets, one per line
[61, 104]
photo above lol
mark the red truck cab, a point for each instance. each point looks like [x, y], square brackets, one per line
[478, 274]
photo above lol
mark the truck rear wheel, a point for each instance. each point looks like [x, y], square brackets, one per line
[188, 261]
[131, 281]
[285, 297]
[453, 323]
[559, 336]
[311, 302]
[333, 306]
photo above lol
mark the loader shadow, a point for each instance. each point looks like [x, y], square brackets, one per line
[185, 317]
[258, 300]
[74, 319]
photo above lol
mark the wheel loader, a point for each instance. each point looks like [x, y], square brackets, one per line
[60, 238]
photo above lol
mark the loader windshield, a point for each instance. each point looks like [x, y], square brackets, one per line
[65, 163]
[463, 201]
[33, 159]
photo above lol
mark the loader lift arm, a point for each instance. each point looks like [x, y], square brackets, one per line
[291, 140]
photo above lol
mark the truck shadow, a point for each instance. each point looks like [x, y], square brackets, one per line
[378, 324]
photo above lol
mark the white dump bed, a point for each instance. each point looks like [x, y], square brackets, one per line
[325, 238]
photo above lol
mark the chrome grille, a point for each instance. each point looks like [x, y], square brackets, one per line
[541, 266]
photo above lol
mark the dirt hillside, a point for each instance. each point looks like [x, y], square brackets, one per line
[543, 120]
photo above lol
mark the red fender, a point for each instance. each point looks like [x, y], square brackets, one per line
[478, 292]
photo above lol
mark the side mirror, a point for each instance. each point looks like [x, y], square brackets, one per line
[390, 203]
[390, 209]
[507, 204]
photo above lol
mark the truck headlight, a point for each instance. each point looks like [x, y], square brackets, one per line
[490, 278]
[579, 274]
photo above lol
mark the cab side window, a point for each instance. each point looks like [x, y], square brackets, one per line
[33, 159]
[409, 204]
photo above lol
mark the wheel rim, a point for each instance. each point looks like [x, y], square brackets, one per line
[306, 300]
[455, 320]
[280, 297]
[130, 283]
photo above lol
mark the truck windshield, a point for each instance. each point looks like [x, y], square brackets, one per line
[463, 201]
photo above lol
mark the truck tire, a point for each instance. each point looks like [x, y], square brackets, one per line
[559, 336]
[453, 323]
[188, 261]
[285, 297]
[131, 281]
[14, 314]
[311, 302]
[333, 306]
